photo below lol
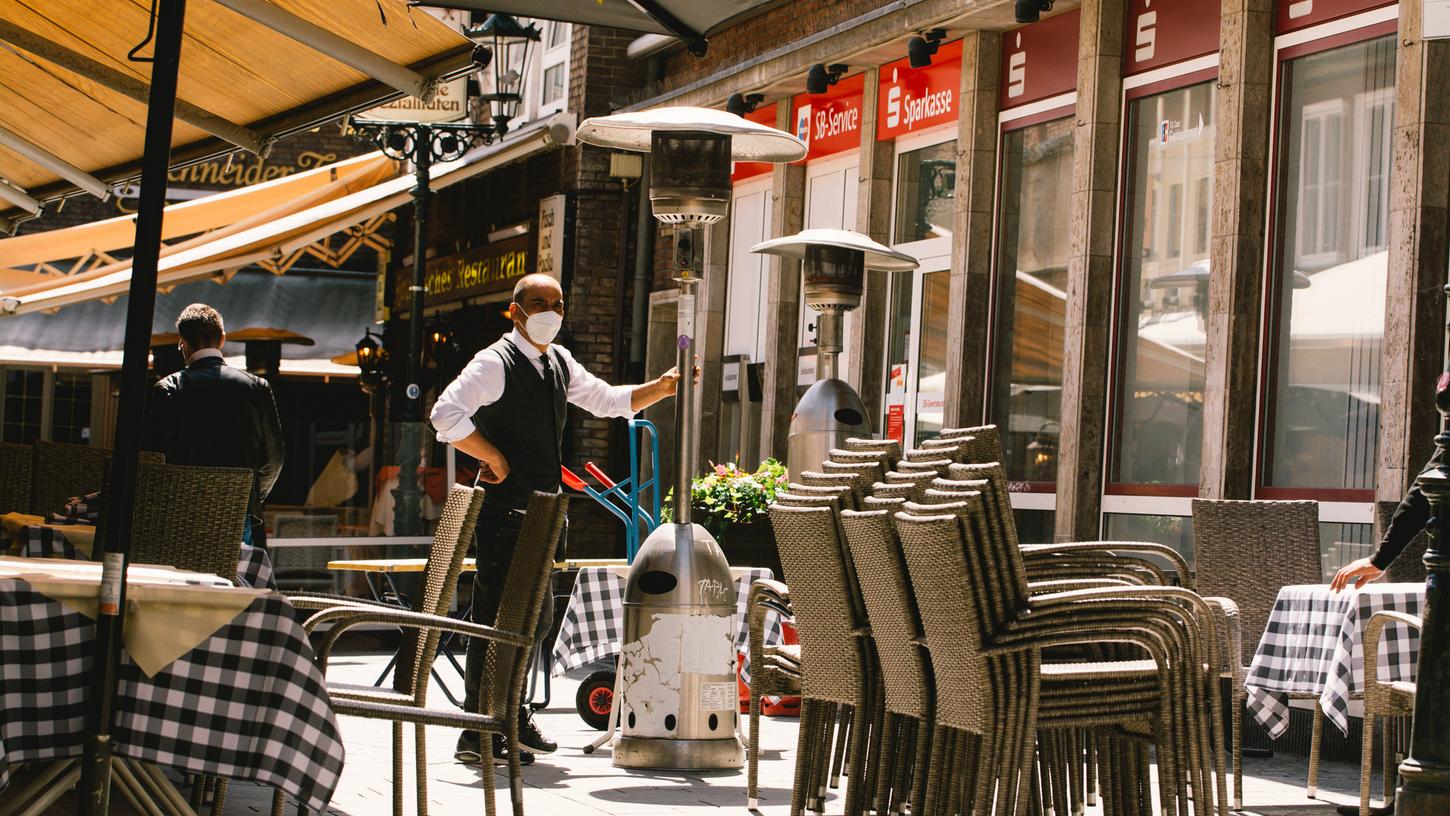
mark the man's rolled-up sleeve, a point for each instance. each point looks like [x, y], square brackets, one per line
[479, 384]
[597, 396]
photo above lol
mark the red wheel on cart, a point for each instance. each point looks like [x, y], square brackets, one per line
[595, 699]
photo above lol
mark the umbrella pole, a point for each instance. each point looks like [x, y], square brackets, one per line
[94, 793]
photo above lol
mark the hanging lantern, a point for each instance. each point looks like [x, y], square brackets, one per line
[511, 41]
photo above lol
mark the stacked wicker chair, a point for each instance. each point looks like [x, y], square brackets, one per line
[1247, 550]
[189, 517]
[61, 470]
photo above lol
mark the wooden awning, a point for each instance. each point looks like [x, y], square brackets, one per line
[72, 105]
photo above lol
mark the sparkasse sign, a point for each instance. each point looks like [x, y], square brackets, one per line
[914, 99]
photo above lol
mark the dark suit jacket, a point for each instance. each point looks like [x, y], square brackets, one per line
[212, 414]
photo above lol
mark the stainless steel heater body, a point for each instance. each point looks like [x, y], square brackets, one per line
[830, 412]
[676, 697]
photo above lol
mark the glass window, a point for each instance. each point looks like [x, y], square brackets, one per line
[931, 378]
[1161, 333]
[1034, 526]
[898, 355]
[70, 418]
[925, 184]
[553, 83]
[1330, 268]
[1032, 247]
[24, 404]
[1340, 544]
[1174, 531]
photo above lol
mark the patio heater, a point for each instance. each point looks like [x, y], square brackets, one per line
[834, 268]
[675, 695]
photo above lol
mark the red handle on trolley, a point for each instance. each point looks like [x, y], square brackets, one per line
[599, 474]
[571, 479]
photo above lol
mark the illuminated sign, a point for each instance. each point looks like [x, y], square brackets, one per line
[1040, 60]
[914, 99]
[830, 123]
[481, 271]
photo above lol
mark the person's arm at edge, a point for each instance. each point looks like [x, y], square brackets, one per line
[273, 446]
[1408, 521]
[479, 384]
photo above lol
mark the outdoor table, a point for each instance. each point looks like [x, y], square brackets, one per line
[594, 620]
[254, 567]
[248, 701]
[1313, 645]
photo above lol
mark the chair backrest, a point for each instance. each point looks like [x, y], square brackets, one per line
[890, 447]
[1409, 567]
[188, 516]
[851, 481]
[844, 455]
[833, 656]
[1247, 550]
[891, 610]
[874, 502]
[998, 533]
[526, 588]
[440, 583]
[15, 463]
[866, 473]
[984, 443]
[936, 466]
[62, 470]
[997, 499]
[936, 555]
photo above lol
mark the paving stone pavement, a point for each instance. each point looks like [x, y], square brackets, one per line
[569, 783]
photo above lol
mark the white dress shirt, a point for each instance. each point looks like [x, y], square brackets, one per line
[482, 382]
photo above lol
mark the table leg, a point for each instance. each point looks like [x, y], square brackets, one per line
[381, 597]
[162, 785]
[52, 783]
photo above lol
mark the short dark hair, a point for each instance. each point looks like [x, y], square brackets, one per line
[200, 326]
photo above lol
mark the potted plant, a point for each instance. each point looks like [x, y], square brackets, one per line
[731, 503]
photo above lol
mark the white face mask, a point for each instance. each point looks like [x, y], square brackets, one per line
[544, 326]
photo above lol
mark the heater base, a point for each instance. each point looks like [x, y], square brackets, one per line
[679, 755]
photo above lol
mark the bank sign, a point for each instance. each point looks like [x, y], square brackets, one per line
[910, 100]
[1040, 60]
[1162, 32]
[830, 123]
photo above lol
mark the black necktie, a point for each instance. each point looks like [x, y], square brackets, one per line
[548, 372]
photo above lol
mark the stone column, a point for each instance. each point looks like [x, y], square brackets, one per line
[971, 272]
[1419, 202]
[1090, 270]
[873, 219]
[1236, 248]
[782, 312]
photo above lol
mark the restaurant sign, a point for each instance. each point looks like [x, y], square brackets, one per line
[450, 104]
[830, 123]
[914, 99]
[478, 272]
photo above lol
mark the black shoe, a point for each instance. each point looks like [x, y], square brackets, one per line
[501, 752]
[531, 738]
[469, 748]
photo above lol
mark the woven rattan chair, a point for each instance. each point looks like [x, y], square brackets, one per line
[773, 669]
[510, 641]
[866, 473]
[903, 489]
[189, 517]
[1247, 551]
[984, 443]
[985, 637]
[844, 455]
[1382, 699]
[855, 482]
[836, 661]
[937, 466]
[304, 568]
[60, 471]
[15, 463]
[906, 673]
[890, 447]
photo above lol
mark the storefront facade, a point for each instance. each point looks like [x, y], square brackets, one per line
[1172, 249]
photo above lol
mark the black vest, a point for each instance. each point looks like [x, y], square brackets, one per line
[526, 424]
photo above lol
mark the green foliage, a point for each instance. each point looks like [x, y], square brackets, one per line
[730, 496]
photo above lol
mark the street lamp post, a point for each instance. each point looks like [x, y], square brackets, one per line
[1425, 773]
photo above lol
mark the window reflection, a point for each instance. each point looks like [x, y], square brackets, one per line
[931, 385]
[926, 181]
[1161, 333]
[1031, 298]
[1331, 268]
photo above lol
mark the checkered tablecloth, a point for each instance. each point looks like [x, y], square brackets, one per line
[247, 703]
[1313, 644]
[594, 620]
[254, 567]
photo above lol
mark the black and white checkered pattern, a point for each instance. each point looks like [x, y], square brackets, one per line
[83, 509]
[254, 566]
[1313, 644]
[594, 621]
[246, 703]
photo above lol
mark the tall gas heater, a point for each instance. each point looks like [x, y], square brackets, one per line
[676, 699]
[834, 264]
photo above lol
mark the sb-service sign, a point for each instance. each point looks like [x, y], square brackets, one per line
[830, 123]
[910, 100]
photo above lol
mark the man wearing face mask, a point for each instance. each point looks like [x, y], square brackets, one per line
[507, 410]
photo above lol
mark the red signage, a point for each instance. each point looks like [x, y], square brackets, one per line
[830, 122]
[764, 115]
[1296, 14]
[1162, 32]
[914, 99]
[896, 423]
[1040, 60]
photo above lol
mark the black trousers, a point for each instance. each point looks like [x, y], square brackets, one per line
[496, 538]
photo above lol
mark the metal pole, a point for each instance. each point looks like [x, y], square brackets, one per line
[684, 398]
[1425, 773]
[408, 499]
[95, 786]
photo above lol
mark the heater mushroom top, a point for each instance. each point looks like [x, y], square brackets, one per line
[878, 256]
[749, 141]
